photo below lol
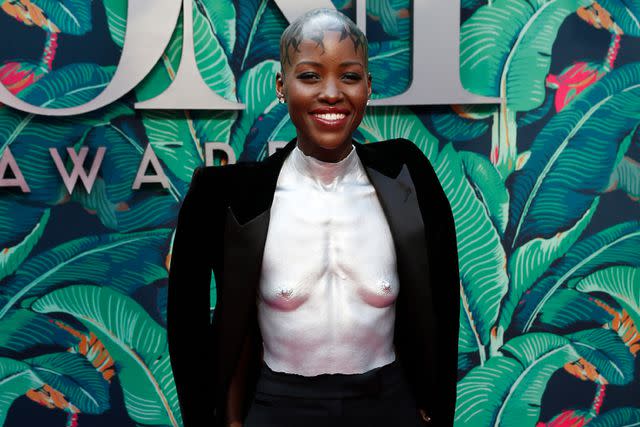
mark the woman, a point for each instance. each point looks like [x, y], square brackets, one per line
[328, 256]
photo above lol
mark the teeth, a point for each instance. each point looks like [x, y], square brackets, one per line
[338, 116]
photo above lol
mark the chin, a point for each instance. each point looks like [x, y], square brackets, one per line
[333, 143]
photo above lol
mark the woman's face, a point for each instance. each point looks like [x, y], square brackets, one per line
[326, 87]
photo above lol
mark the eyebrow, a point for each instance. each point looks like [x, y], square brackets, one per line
[318, 64]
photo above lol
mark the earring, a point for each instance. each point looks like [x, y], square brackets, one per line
[281, 99]
[368, 101]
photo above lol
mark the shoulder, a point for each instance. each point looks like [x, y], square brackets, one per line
[406, 151]
[399, 146]
[420, 167]
[215, 185]
[384, 145]
[207, 176]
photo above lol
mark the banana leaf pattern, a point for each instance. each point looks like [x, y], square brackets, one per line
[545, 191]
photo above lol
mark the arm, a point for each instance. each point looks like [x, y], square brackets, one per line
[445, 282]
[188, 311]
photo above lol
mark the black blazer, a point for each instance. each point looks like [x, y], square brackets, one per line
[222, 227]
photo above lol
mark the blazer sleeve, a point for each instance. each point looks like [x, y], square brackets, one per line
[445, 281]
[188, 310]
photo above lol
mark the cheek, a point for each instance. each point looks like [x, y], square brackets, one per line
[359, 95]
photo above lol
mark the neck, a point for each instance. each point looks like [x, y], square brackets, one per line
[326, 155]
[325, 175]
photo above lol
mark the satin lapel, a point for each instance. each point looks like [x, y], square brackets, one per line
[400, 204]
[398, 197]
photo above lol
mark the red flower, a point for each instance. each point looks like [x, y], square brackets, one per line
[570, 418]
[573, 80]
[16, 76]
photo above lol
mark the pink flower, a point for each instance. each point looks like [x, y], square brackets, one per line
[570, 418]
[573, 80]
[16, 76]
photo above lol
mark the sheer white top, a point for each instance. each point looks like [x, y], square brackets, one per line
[326, 300]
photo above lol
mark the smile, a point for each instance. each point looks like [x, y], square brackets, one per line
[331, 116]
[330, 119]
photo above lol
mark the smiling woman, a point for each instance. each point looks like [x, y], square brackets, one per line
[332, 255]
[325, 81]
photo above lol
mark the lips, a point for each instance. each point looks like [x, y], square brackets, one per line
[330, 117]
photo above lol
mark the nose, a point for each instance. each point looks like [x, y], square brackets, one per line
[331, 91]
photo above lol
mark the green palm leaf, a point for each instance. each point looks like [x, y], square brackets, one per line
[116, 11]
[22, 330]
[71, 16]
[31, 137]
[380, 123]
[12, 256]
[259, 25]
[257, 91]
[383, 11]
[481, 255]
[118, 206]
[507, 390]
[573, 157]
[530, 261]
[607, 352]
[133, 339]
[621, 282]
[613, 246]
[210, 55]
[76, 378]
[505, 48]
[178, 139]
[619, 417]
[16, 378]
[69, 86]
[138, 259]
[388, 66]
[568, 308]
[221, 15]
[492, 192]
[626, 177]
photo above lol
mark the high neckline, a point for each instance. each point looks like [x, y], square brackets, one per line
[326, 174]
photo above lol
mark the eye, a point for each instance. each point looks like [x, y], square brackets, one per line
[307, 76]
[353, 76]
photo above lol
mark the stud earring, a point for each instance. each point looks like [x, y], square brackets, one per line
[281, 99]
[368, 101]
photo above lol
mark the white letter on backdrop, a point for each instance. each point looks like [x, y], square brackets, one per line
[188, 91]
[78, 168]
[150, 156]
[149, 28]
[211, 147]
[436, 52]
[7, 159]
[435, 65]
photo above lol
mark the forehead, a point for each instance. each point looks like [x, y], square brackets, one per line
[325, 45]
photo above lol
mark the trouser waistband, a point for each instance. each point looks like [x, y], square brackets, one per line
[326, 386]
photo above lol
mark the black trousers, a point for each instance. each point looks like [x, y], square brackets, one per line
[378, 398]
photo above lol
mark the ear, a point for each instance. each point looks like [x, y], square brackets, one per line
[369, 78]
[279, 84]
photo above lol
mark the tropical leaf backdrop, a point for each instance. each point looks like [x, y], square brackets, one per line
[545, 192]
